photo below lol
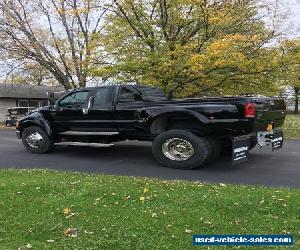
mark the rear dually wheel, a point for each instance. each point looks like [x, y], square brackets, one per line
[180, 149]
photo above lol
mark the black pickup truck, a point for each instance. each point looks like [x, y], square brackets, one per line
[186, 133]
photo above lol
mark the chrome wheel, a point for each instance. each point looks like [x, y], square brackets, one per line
[34, 140]
[178, 149]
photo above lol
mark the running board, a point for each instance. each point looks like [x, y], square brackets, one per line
[88, 133]
[85, 144]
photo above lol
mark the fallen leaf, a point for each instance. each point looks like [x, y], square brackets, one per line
[71, 232]
[73, 183]
[70, 215]
[89, 233]
[188, 231]
[67, 211]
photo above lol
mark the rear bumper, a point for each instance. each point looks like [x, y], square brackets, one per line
[242, 144]
[18, 133]
[253, 136]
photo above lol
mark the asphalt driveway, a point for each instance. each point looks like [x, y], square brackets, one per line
[281, 168]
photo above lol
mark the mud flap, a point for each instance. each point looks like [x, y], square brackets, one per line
[240, 150]
[277, 140]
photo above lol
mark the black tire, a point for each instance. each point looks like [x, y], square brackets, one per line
[200, 147]
[43, 145]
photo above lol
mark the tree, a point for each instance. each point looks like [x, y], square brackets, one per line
[290, 55]
[56, 35]
[191, 47]
[28, 72]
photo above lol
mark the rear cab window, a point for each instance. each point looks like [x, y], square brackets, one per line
[140, 93]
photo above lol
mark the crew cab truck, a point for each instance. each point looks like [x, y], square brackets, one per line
[185, 133]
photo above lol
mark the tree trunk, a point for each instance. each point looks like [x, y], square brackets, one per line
[297, 89]
[170, 95]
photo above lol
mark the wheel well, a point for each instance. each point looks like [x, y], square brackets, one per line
[175, 121]
[27, 125]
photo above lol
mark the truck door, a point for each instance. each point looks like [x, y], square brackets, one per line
[129, 101]
[68, 115]
[101, 115]
[129, 108]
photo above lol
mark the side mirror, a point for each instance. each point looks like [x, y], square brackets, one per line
[85, 111]
[56, 105]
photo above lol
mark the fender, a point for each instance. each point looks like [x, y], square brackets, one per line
[35, 119]
[153, 114]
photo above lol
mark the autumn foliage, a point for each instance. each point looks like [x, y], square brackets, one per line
[190, 48]
[186, 47]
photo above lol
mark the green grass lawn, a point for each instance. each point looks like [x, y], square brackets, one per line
[292, 126]
[37, 207]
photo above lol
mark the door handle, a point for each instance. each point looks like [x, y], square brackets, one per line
[85, 111]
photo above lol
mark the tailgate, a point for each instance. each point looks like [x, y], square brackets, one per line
[269, 111]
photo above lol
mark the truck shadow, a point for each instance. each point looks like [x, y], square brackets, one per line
[133, 155]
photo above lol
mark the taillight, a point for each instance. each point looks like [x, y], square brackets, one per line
[249, 110]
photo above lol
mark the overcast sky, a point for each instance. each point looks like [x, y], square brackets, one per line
[294, 6]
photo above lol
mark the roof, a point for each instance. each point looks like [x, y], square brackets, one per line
[27, 91]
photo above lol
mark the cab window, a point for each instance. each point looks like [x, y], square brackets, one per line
[102, 95]
[151, 94]
[129, 94]
[74, 100]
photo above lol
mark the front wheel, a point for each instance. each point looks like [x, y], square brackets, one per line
[36, 140]
[180, 149]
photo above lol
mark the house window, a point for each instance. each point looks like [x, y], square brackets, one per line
[22, 103]
[34, 103]
[44, 103]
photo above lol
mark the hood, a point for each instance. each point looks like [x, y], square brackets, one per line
[39, 110]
